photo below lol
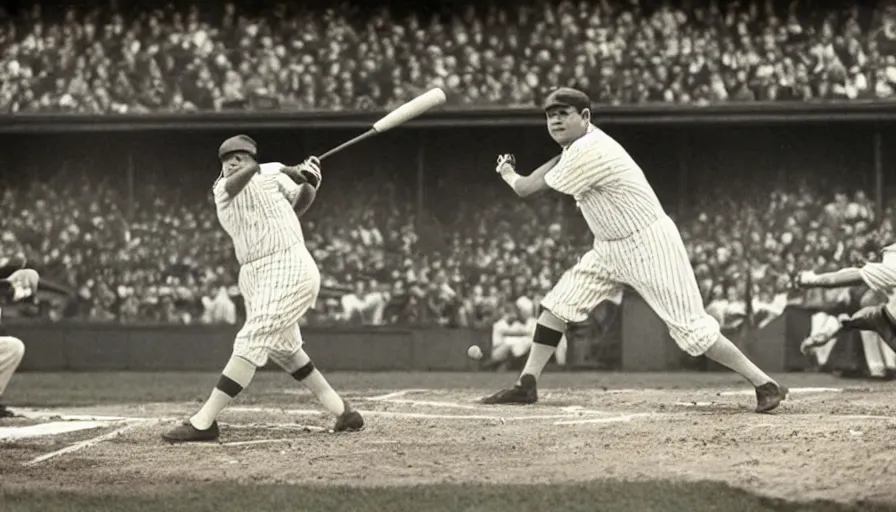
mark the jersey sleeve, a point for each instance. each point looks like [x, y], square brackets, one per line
[270, 168]
[579, 169]
[288, 187]
[880, 277]
[219, 192]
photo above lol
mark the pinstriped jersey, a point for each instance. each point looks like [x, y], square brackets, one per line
[260, 219]
[881, 277]
[609, 187]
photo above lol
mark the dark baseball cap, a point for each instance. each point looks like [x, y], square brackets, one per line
[238, 143]
[568, 97]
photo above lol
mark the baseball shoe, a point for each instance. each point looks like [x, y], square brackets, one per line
[349, 421]
[769, 396]
[523, 393]
[187, 433]
[6, 413]
[873, 318]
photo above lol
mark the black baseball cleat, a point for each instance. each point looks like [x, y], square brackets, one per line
[6, 413]
[769, 396]
[523, 393]
[187, 433]
[349, 421]
[873, 318]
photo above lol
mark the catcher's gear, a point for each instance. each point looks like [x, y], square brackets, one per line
[506, 159]
[238, 143]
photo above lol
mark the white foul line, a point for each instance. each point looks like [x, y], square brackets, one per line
[428, 403]
[396, 394]
[616, 419]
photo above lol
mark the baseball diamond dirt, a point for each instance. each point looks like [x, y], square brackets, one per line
[595, 441]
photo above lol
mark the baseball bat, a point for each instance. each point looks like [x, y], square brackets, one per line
[404, 113]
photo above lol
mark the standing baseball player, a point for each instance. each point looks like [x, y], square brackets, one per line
[278, 280]
[880, 277]
[20, 285]
[635, 243]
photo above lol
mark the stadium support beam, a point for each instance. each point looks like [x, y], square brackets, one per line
[878, 174]
[421, 175]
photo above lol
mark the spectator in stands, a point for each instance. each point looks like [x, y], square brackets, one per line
[127, 58]
[220, 309]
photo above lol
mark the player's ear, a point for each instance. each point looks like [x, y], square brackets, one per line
[586, 115]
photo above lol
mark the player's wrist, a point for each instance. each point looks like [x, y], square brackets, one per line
[510, 176]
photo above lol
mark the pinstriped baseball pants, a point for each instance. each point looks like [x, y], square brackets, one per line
[655, 263]
[277, 289]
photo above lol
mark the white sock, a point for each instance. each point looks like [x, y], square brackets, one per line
[726, 353]
[298, 367]
[539, 355]
[236, 376]
[318, 385]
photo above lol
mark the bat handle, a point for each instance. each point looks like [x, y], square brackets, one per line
[359, 138]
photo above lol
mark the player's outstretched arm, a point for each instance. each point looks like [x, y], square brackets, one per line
[839, 279]
[524, 186]
[301, 187]
[21, 284]
[236, 182]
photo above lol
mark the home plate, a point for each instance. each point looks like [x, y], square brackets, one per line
[52, 428]
[793, 391]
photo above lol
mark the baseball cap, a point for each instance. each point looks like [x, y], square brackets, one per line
[568, 97]
[238, 143]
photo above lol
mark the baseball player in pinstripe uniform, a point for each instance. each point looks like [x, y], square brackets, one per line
[880, 277]
[278, 279]
[635, 243]
[20, 285]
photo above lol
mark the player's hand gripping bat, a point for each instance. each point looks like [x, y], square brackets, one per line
[414, 108]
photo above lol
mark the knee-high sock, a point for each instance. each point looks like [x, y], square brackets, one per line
[236, 376]
[726, 353]
[302, 369]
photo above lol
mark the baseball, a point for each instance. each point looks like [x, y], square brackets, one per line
[474, 352]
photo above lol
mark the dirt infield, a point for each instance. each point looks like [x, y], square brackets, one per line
[833, 440]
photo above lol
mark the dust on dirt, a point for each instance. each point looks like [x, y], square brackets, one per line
[821, 444]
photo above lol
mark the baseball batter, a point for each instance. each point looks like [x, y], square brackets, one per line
[880, 277]
[635, 243]
[20, 285]
[278, 279]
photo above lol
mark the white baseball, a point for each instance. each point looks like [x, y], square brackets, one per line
[474, 352]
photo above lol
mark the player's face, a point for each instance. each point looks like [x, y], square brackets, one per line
[566, 124]
[234, 162]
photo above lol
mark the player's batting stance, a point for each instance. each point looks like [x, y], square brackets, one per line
[880, 277]
[278, 279]
[636, 243]
[20, 285]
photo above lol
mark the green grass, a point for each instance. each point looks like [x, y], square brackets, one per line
[603, 496]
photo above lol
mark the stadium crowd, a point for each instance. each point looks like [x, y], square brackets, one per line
[167, 260]
[107, 56]
[163, 258]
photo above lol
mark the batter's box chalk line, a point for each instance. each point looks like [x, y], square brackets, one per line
[792, 391]
[48, 414]
[126, 426]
